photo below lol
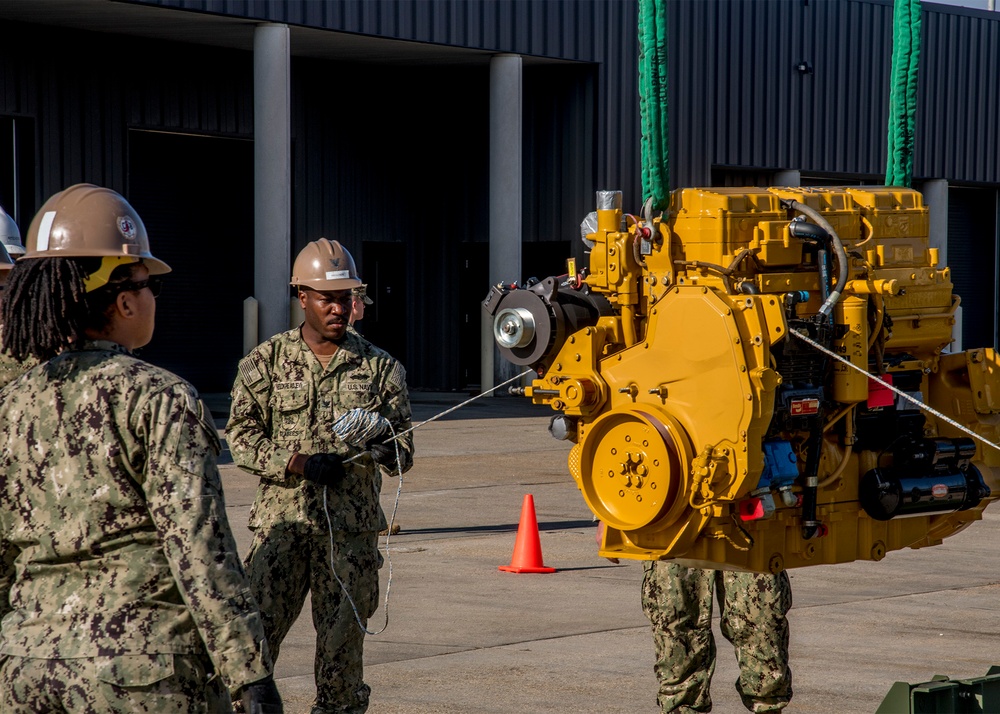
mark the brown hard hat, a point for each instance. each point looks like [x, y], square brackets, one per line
[89, 221]
[325, 265]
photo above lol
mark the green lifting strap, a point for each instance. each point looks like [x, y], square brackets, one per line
[903, 92]
[653, 101]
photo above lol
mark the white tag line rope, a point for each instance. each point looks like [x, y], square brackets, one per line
[805, 338]
[394, 440]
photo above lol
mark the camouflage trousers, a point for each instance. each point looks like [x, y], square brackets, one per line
[126, 684]
[678, 603]
[283, 565]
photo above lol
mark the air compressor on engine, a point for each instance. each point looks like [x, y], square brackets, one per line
[758, 378]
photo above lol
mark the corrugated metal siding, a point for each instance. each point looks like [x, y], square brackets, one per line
[616, 46]
[959, 122]
[390, 156]
[399, 159]
[86, 97]
[384, 158]
[972, 257]
[412, 173]
[559, 157]
[740, 102]
[597, 31]
[545, 28]
[736, 99]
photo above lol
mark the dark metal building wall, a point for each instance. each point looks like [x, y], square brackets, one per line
[959, 97]
[410, 168]
[544, 28]
[82, 103]
[411, 174]
[742, 101]
[560, 161]
[397, 158]
[84, 98]
[738, 100]
[603, 32]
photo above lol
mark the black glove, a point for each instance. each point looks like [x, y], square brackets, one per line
[262, 697]
[324, 469]
[384, 454]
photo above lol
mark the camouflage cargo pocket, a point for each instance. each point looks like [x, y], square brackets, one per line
[134, 670]
[290, 416]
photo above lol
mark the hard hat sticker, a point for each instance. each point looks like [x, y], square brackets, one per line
[337, 274]
[127, 227]
[43, 230]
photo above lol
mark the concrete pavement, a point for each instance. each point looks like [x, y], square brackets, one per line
[464, 637]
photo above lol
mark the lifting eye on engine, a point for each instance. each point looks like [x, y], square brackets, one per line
[513, 327]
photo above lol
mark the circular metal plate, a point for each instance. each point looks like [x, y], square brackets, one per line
[633, 466]
[531, 307]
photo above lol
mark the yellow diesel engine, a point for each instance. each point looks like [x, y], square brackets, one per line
[759, 379]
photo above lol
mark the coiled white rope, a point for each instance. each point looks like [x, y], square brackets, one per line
[808, 340]
[357, 428]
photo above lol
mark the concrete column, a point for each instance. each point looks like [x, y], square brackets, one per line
[790, 177]
[272, 176]
[250, 332]
[936, 199]
[506, 184]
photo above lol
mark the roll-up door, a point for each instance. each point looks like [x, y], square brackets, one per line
[195, 195]
[972, 256]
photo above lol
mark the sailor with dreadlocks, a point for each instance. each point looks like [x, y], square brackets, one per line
[120, 583]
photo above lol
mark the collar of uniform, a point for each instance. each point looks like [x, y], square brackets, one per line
[348, 351]
[96, 345]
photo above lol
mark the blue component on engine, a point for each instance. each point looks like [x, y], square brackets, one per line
[780, 465]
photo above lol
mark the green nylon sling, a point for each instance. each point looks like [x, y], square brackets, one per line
[653, 102]
[903, 92]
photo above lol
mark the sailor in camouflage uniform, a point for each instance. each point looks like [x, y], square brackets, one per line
[120, 582]
[359, 301]
[678, 603]
[10, 249]
[287, 394]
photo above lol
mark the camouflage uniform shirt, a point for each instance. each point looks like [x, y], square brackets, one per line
[10, 368]
[285, 402]
[113, 530]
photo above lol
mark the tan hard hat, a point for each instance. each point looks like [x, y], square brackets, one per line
[89, 221]
[10, 236]
[325, 265]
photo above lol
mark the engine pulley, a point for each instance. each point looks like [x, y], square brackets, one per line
[529, 323]
[514, 327]
[634, 464]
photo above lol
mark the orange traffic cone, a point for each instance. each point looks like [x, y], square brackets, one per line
[527, 549]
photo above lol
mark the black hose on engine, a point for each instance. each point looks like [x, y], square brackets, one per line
[811, 527]
[843, 267]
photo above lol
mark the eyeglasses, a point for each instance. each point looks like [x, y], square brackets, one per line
[153, 282]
